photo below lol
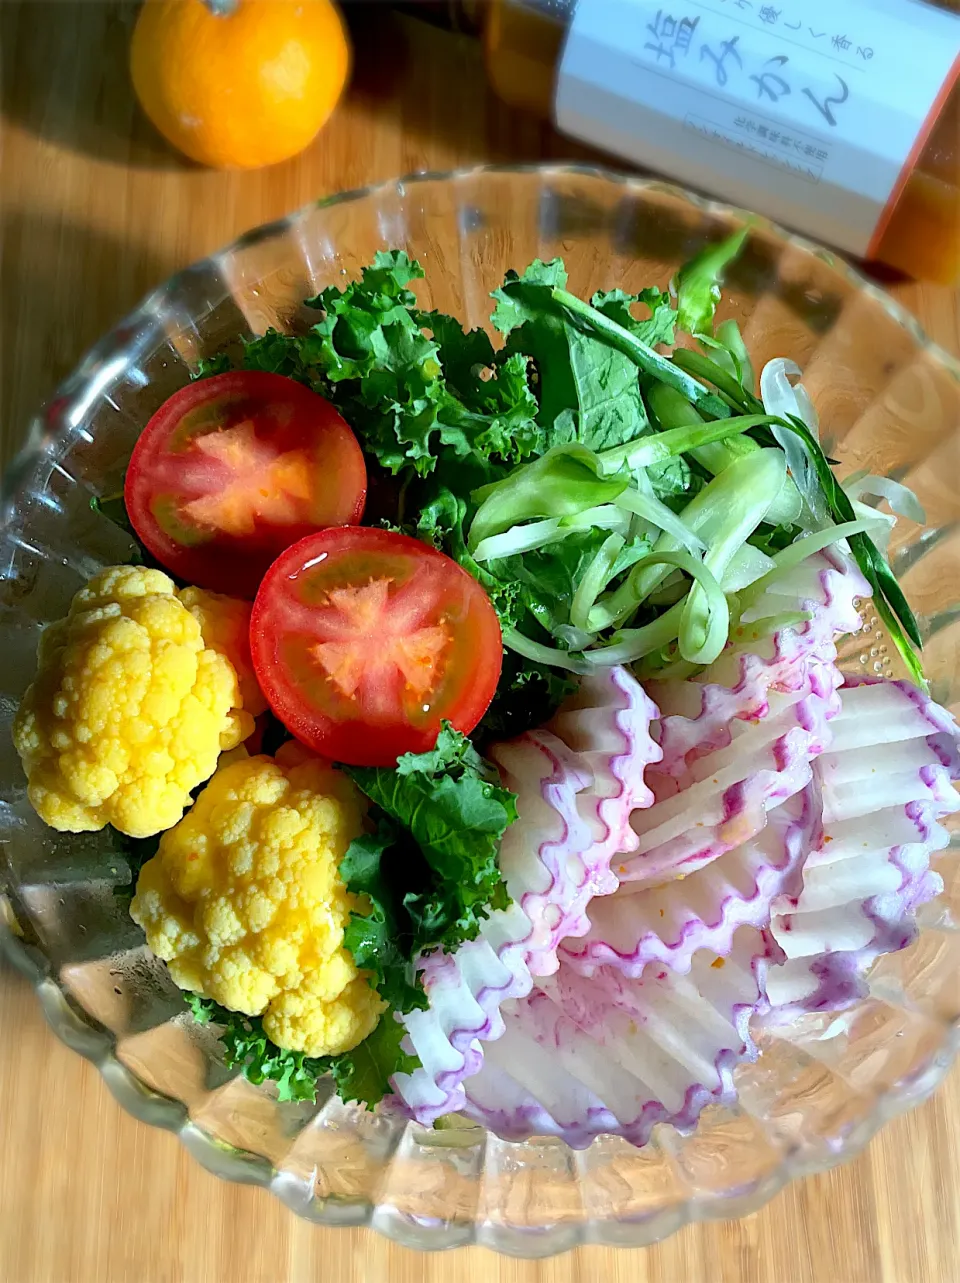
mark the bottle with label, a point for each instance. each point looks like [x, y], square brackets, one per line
[838, 118]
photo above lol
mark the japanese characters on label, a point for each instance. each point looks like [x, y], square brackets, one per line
[806, 109]
[774, 78]
[678, 32]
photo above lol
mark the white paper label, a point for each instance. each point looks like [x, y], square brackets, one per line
[806, 110]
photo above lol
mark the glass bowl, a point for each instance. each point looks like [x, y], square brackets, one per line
[888, 401]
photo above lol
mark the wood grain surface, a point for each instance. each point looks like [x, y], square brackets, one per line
[95, 210]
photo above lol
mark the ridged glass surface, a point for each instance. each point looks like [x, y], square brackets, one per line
[888, 401]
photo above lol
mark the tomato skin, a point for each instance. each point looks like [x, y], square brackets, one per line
[404, 599]
[233, 469]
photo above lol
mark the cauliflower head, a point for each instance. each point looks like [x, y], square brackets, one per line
[129, 710]
[245, 904]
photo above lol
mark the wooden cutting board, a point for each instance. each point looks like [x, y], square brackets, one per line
[94, 211]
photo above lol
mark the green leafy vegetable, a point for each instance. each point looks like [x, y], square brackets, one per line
[598, 325]
[588, 392]
[383, 362]
[208, 366]
[543, 294]
[667, 445]
[277, 353]
[452, 806]
[548, 579]
[674, 480]
[755, 483]
[362, 1074]
[730, 352]
[658, 327]
[375, 866]
[528, 695]
[427, 875]
[698, 284]
[891, 605]
[388, 378]
[453, 754]
[247, 1047]
[734, 394]
[440, 523]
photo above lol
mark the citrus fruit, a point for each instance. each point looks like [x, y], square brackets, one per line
[239, 83]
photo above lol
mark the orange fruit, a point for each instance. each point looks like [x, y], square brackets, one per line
[239, 83]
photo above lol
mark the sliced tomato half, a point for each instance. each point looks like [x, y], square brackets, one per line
[364, 640]
[235, 468]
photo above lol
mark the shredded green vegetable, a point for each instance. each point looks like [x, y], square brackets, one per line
[595, 578]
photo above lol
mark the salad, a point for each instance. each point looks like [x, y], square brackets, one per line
[468, 711]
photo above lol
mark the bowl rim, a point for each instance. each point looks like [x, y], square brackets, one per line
[85, 1035]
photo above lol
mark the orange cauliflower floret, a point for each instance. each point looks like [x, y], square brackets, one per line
[245, 904]
[129, 710]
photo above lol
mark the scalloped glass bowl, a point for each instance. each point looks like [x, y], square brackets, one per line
[888, 401]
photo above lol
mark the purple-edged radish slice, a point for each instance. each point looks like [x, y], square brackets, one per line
[576, 787]
[722, 800]
[669, 922]
[738, 739]
[618, 751]
[886, 782]
[612, 1055]
[764, 655]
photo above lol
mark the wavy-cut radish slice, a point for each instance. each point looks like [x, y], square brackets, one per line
[612, 1055]
[576, 787]
[668, 923]
[738, 740]
[618, 752]
[886, 782]
[723, 798]
[698, 714]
